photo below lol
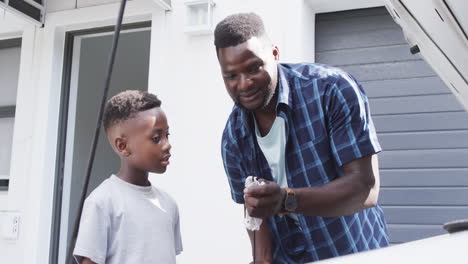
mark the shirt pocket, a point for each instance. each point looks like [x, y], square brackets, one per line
[315, 151]
[313, 163]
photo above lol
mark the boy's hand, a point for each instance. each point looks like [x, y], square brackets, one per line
[264, 200]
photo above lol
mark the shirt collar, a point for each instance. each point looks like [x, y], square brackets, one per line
[284, 91]
[288, 77]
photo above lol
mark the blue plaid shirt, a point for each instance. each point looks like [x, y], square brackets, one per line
[328, 124]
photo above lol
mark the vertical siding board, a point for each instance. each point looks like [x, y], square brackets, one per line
[415, 104]
[405, 87]
[425, 140]
[424, 177]
[366, 55]
[405, 233]
[427, 215]
[421, 122]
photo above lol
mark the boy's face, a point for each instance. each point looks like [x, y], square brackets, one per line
[144, 141]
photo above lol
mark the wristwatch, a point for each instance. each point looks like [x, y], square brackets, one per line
[290, 201]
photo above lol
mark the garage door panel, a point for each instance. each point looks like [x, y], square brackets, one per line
[421, 122]
[366, 55]
[438, 158]
[366, 39]
[449, 196]
[405, 87]
[425, 215]
[424, 140]
[415, 104]
[434, 177]
[355, 24]
[391, 70]
[421, 126]
[405, 233]
[361, 13]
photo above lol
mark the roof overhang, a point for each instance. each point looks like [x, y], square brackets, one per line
[165, 4]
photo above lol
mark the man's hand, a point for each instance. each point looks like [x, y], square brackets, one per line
[264, 200]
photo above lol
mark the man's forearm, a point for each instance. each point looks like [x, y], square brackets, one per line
[343, 196]
[337, 198]
[263, 250]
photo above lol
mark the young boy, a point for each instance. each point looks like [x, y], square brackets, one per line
[126, 219]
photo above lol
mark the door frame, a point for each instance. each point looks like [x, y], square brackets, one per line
[69, 74]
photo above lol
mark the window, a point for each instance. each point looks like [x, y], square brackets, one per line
[9, 68]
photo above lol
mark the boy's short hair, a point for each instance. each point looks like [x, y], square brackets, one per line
[238, 28]
[126, 105]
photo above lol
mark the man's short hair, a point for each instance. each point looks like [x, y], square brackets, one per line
[238, 28]
[126, 105]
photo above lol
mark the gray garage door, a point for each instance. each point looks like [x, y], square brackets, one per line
[422, 128]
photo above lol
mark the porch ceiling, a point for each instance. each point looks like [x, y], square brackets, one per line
[61, 5]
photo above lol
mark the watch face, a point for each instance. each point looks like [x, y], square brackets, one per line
[290, 203]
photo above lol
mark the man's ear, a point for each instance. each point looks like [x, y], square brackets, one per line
[120, 144]
[275, 52]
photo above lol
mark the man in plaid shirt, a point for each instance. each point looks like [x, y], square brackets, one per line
[306, 130]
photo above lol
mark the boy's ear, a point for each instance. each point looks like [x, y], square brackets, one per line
[120, 144]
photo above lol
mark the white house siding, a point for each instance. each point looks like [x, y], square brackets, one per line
[12, 27]
[36, 123]
[423, 129]
[197, 107]
[9, 69]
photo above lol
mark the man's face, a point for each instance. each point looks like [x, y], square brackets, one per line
[147, 139]
[250, 72]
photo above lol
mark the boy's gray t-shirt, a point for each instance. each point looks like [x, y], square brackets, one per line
[126, 223]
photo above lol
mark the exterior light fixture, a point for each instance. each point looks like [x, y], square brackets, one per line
[199, 17]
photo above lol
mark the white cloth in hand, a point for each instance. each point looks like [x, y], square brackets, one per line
[252, 223]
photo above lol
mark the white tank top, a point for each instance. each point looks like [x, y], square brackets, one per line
[273, 146]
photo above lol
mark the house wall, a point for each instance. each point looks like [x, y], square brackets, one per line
[197, 107]
[13, 27]
[9, 68]
[184, 72]
[36, 125]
